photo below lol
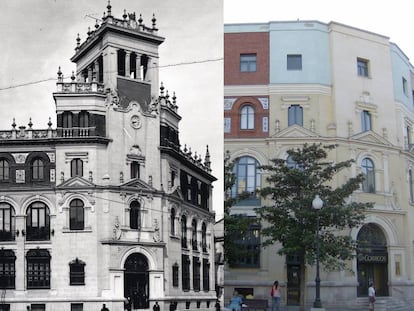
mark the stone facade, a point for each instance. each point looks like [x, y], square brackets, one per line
[334, 84]
[107, 208]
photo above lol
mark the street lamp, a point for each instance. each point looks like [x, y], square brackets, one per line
[317, 204]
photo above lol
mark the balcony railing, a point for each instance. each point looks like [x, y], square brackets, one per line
[76, 131]
[6, 235]
[80, 87]
[38, 233]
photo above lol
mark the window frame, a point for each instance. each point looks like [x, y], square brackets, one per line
[248, 62]
[38, 273]
[196, 273]
[7, 234]
[366, 121]
[135, 170]
[363, 69]
[76, 215]
[242, 169]
[184, 232]
[76, 167]
[135, 215]
[38, 229]
[368, 170]
[206, 275]
[175, 275]
[38, 169]
[294, 62]
[252, 243]
[295, 115]
[76, 272]
[247, 116]
[185, 275]
[4, 170]
[8, 268]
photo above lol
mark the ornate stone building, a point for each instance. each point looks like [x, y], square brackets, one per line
[291, 83]
[108, 207]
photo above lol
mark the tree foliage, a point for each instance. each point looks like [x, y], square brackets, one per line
[291, 219]
[236, 226]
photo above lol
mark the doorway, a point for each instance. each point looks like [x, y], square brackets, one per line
[136, 281]
[372, 260]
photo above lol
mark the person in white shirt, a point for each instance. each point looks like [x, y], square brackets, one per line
[371, 296]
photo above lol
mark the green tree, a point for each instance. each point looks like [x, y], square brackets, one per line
[288, 217]
[235, 225]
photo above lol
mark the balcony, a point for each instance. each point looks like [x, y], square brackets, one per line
[76, 131]
[80, 87]
[38, 233]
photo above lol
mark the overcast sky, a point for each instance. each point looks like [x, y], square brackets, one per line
[39, 36]
[393, 19]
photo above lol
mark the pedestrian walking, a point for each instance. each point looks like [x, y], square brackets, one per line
[275, 293]
[371, 296]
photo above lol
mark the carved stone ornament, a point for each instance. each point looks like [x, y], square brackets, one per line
[117, 233]
[157, 237]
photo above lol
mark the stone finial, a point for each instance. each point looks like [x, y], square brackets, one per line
[96, 24]
[154, 20]
[72, 77]
[125, 15]
[14, 124]
[89, 31]
[174, 98]
[50, 122]
[167, 96]
[109, 7]
[78, 39]
[140, 19]
[59, 73]
[30, 124]
[207, 161]
[162, 89]
[185, 148]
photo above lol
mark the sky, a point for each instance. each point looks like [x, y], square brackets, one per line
[393, 19]
[39, 36]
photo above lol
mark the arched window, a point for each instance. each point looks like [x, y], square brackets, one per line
[184, 231]
[194, 234]
[247, 174]
[172, 222]
[135, 215]
[290, 163]
[77, 272]
[295, 115]
[7, 222]
[77, 215]
[247, 118]
[368, 169]
[37, 169]
[4, 170]
[204, 237]
[37, 222]
[38, 268]
[76, 168]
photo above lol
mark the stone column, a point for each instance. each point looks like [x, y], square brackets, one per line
[148, 75]
[138, 75]
[96, 65]
[90, 73]
[127, 64]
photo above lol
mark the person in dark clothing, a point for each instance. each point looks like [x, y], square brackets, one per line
[156, 307]
[104, 308]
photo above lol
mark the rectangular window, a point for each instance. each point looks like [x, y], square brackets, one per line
[405, 86]
[76, 307]
[247, 62]
[134, 170]
[251, 244]
[294, 62]
[196, 273]
[206, 275]
[38, 273]
[186, 272]
[37, 307]
[365, 121]
[295, 115]
[362, 66]
[175, 270]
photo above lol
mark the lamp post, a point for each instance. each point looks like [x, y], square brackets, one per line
[317, 204]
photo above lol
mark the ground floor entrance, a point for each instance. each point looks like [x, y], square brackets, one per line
[136, 282]
[372, 261]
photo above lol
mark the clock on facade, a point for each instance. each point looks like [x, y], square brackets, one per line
[135, 122]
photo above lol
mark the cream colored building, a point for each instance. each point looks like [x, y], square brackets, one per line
[334, 84]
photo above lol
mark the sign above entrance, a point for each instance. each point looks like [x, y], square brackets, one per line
[374, 258]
